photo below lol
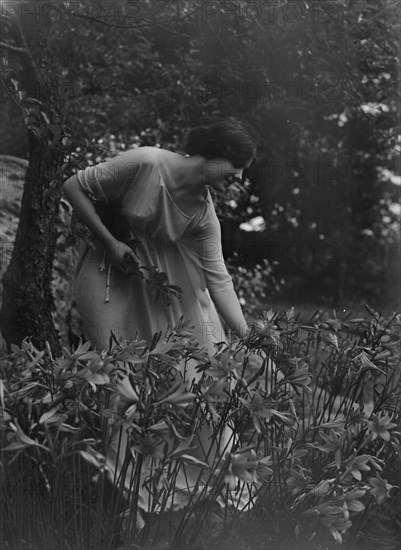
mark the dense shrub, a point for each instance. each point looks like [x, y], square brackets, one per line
[253, 284]
[312, 450]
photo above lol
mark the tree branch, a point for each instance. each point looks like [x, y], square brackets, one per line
[11, 48]
[5, 17]
[150, 23]
[10, 95]
[29, 61]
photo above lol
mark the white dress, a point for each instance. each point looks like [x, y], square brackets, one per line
[187, 248]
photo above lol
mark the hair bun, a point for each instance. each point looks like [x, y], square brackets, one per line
[227, 138]
[197, 140]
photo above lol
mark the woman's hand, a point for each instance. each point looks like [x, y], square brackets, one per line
[123, 258]
[121, 255]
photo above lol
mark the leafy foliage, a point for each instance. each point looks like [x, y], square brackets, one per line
[253, 284]
[313, 444]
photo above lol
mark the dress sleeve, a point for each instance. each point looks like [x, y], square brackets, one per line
[110, 180]
[206, 249]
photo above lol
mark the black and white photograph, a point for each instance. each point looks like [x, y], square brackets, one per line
[200, 275]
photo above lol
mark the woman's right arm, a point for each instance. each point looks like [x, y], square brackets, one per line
[85, 210]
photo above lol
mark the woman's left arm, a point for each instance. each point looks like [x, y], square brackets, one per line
[228, 306]
[208, 251]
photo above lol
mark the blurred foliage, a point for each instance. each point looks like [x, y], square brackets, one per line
[253, 285]
[318, 82]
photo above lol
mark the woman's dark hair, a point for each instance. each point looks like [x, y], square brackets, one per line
[227, 138]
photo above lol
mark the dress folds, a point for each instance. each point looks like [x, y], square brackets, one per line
[135, 187]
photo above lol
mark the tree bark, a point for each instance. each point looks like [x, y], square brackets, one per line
[27, 301]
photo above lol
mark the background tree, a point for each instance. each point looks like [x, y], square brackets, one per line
[27, 300]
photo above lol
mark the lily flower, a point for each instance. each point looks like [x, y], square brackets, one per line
[380, 488]
[380, 426]
[148, 445]
[177, 395]
[241, 465]
[299, 481]
[21, 440]
[125, 389]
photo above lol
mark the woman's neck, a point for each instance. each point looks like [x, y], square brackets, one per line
[189, 174]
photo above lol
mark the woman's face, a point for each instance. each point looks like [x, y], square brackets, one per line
[221, 173]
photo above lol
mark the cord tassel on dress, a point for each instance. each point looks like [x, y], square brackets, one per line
[102, 267]
[108, 283]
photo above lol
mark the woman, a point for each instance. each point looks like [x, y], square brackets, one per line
[158, 202]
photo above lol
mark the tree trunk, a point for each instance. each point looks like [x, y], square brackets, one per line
[27, 301]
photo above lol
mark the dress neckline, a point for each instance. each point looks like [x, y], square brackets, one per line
[165, 187]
